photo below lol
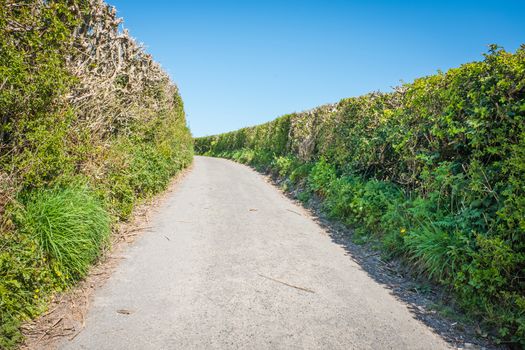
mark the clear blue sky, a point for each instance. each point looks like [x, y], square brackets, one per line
[240, 63]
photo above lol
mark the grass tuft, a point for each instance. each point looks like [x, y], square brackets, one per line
[70, 225]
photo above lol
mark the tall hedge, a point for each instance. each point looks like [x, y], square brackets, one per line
[434, 169]
[89, 126]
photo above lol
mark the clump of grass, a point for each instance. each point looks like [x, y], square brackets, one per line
[70, 225]
[438, 253]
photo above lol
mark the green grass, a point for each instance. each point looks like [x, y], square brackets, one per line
[437, 253]
[70, 226]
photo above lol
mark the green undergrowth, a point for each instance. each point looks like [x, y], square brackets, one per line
[67, 179]
[431, 173]
[432, 240]
[61, 233]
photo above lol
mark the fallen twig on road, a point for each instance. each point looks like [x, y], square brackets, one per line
[288, 284]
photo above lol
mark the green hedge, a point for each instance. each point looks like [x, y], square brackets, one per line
[434, 171]
[66, 179]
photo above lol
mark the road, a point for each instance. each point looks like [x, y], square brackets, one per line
[231, 263]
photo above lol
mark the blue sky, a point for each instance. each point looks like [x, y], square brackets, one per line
[240, 63]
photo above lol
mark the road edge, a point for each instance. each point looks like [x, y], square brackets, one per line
[65, 317]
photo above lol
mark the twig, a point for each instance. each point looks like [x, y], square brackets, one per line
[57, 322]
[290, 210]
[137, 229]
[287, 284]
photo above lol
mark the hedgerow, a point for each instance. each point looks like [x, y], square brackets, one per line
[89, 126]
[433, 171]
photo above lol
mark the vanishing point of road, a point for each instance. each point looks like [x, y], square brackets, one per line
[231, 263]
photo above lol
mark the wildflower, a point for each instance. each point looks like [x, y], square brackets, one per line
[403, 231]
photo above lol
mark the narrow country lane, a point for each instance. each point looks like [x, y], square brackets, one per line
[231, 263]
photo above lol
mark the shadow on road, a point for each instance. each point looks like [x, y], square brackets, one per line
[422, 298]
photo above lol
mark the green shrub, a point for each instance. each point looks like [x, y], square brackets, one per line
[489, 288]
[26, 278]
[262, 160]
[245, 156]
[341, 200]
[62, 120]
[283, 166]
[432, 171]
[321, 177]
[300, 172]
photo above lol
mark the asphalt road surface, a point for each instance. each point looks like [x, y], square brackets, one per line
[231, 263]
